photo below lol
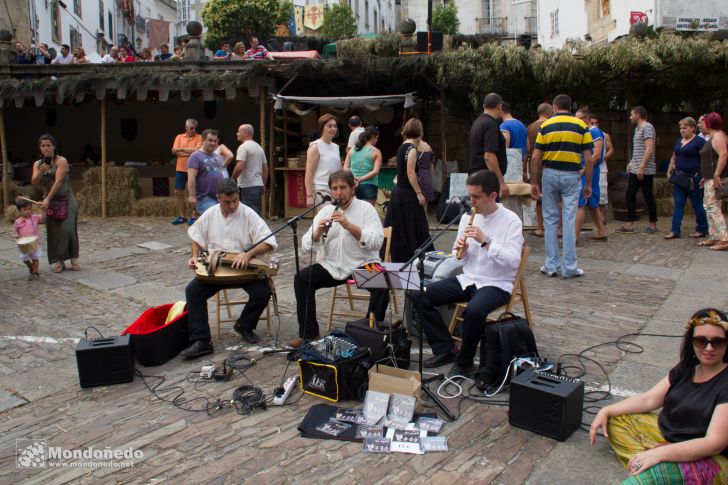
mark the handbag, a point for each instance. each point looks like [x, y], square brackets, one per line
[682, 180]
[58, 209]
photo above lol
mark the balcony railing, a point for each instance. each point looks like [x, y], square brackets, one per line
[493, 25]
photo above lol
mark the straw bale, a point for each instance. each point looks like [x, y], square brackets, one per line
[155, 207]
[118, 202]
[115, 177]
[663, 188]
[11, 213]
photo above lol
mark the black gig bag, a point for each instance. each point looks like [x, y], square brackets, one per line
[506, 338]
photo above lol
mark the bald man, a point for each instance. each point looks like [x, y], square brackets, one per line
[251, 168]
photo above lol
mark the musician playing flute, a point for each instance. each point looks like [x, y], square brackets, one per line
[491, 257]
[350, 235]
[228, 226]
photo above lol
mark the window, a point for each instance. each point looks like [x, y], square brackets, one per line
[554, 23]
[101, 14]
[487, 9]
[376, 23]
[77, 7]
[76, 39]
[111, 27]
[366, 15]
[56, 22]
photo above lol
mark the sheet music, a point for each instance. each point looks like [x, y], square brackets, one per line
[401, 280]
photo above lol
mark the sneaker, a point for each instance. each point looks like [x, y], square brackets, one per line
[550, 274]
[36, 276]
[625, 229]
[191, 221]
[649, 230]
[579, 273]
[179, 220]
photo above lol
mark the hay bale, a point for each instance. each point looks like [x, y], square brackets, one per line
[11, 213]
[26, 190]
[155, 207]
[115, 176]
[663, 188]
[118, 202]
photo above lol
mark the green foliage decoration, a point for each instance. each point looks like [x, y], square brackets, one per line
[225, 19]
[445, 19]
[339, 21]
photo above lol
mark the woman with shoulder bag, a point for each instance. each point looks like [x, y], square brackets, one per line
[714, 171]
[59, 204]
[365, 161]
[683, 174]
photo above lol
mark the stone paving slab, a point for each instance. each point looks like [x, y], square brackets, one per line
[628, 287]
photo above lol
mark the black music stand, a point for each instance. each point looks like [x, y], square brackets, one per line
[420, 255]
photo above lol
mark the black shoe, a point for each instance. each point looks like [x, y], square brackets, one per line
[460, 370]
[197, 349]
[248, 335]
[438, 360]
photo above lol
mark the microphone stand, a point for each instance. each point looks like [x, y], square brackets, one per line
[420, 254]
[293, 224]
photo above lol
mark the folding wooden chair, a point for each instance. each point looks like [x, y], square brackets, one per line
[519, 295]
[223, 299]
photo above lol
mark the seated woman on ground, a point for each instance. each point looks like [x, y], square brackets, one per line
[688, 441]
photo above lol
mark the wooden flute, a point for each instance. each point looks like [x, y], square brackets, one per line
[464, 248]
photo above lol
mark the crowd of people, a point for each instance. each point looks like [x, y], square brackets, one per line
[42, 54]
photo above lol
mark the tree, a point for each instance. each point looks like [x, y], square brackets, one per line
[445, 19]
[226, 19]
[339, 22]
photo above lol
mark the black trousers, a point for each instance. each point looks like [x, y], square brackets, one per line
[481, 301]
[315, 277]
[633, 186]
[197, 294]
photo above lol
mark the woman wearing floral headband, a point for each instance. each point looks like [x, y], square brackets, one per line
[687, 443]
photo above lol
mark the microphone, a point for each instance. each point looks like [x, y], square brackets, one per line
[336, 203]
[463, 203]
[324, 196]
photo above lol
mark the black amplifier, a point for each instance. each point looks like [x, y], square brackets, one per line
[546, 404]
[105, 361]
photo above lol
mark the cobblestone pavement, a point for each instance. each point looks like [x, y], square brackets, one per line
[628, 284]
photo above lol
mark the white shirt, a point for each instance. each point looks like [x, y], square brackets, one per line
[329, 162]
[253, 157]
[354, 137]
[497, 263]
[107, 59]
[213, 231]
[60, 59]
[341, 252]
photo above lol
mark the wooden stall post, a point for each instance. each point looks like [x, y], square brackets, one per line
[261, 124]
[103, 158]
[4, 156]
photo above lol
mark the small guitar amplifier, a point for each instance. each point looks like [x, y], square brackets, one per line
[105, 361]
[546, 404]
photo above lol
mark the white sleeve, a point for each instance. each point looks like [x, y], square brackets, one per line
[258, 229]
[307, 242]
[372, 233]
[199, 230]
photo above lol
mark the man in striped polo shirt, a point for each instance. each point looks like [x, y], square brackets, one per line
[560, 145]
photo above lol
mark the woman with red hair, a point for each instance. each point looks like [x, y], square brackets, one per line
[713, 157]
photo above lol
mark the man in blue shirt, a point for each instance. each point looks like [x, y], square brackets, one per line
[515, 134]
[592, 201]
[223, 54]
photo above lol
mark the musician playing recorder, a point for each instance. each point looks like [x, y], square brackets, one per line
[491, 253]
[350, 232]
[228, 226]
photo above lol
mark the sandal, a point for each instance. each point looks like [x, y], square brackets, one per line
[709, 242]
[58, 267]
[696, 235]
[538, 233]
[75, 266]
[721, 246]
[672, 235]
